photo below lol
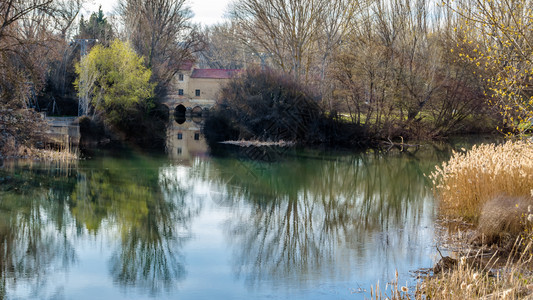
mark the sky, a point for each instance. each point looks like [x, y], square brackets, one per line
[206, 12]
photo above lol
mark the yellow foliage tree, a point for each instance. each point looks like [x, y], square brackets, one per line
[497, 35]
[117, 81]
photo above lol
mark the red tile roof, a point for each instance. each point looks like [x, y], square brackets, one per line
[214, 73]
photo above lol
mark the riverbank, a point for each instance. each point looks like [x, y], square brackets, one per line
[255, 143]
[271, 106]
[57, 153]
[486, 218]
[472, 271]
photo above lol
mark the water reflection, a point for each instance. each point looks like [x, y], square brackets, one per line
[291, 220]
[149, 214]
[152, 216]
[184, 140]
[33, 229]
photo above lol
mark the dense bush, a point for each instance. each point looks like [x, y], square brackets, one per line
[271, 106]
[144, 127]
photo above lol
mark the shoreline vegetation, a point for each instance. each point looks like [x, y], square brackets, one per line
[42, 142]
[59, 154]
[485, 199]
[269, 106]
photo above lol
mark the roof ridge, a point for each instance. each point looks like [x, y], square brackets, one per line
[214, 73]
[218, 69]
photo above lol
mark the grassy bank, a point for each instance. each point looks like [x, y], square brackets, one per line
[62, 154]
[489, 191]
[52, 152]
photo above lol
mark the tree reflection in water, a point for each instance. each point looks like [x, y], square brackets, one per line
[305, 219]
[41, 214]
[293, 220]
[33, 227]
[152, 213]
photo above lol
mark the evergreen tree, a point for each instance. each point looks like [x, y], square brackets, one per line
[97, 27]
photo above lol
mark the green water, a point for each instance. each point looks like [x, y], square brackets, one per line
[252, 224]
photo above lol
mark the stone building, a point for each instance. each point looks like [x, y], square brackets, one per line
[193, 87]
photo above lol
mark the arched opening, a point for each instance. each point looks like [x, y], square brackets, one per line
[197, 119]
[179, 114]
[180, 109]
[196, 111]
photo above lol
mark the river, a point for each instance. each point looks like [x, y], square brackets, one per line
[247, 223]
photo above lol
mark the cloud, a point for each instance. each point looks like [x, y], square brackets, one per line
[206, 12]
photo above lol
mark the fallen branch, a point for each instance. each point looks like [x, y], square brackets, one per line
[258, 143]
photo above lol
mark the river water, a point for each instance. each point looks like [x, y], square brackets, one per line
[250, 223]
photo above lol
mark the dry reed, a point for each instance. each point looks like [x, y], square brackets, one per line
[471, 178]
[392, 291]
[64, 153]
[503, 219]
[491, 186]
[508, 279]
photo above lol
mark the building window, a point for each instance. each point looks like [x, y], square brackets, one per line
[180, 92]
[197, 93]
[180, 77]
[180, 136]
[197, 136]
[179, 151]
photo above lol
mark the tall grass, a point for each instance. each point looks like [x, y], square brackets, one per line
[58, 150]
[491, 186]
[471, 178]
[498, 278]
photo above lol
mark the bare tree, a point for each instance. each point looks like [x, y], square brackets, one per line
[65, 13]
[223, 48]
[161, 31]
[336, 22]
[23, 34]
[12, 11]
[24, 28]
[394, 73]
[287, 30]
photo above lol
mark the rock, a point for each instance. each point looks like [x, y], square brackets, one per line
[444, 264]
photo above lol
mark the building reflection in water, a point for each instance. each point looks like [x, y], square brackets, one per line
[185, 141]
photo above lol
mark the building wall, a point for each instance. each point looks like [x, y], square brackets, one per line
[184, 85]
[209, 87]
